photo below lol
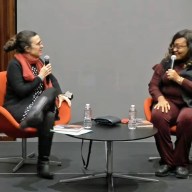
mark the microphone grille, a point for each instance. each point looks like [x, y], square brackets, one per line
[46, 57]
[173, 57]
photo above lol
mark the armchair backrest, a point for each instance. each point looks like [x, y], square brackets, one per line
[147, 108]
[64, 111]
[3, 80]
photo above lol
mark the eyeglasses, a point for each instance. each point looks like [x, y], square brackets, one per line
[178, 47]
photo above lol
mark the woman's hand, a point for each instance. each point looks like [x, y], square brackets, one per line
[172, 75]
[62, 98]
[163, 104]
[45, 70]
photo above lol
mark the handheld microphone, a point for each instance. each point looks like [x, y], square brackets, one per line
[173, 57]
[46, 61]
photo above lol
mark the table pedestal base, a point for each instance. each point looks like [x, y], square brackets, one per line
[109, 174]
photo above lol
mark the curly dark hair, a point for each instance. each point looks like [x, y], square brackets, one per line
[187, 34]
[19, 41]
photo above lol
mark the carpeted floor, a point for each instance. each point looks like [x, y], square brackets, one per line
[129, 157]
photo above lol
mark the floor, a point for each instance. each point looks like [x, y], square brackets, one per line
[129, 157]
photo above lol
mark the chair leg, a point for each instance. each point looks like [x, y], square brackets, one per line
[153, 158]
[24, 159]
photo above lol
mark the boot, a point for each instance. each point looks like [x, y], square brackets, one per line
[44, 146]
[43, 169]
[36, 114]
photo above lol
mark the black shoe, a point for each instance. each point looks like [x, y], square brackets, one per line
[43, 170]
[182, 172]
[163, 171]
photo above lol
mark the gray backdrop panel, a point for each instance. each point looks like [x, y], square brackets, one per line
[103, 50]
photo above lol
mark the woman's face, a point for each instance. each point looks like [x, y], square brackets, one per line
[180, 48]
[36, 47]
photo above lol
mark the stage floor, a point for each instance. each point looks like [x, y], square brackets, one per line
[129, 157]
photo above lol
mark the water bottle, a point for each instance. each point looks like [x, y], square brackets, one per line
[87, 123]
[132, 117]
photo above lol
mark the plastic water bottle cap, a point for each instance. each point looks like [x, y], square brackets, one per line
[87, 106]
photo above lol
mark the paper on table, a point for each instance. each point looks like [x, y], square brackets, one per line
[82, 131]
[144, 123]
[68, 128]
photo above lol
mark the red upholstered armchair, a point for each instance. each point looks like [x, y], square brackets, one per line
[10, 127]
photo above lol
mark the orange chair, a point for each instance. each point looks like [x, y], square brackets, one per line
[10, 127]
[147, 111]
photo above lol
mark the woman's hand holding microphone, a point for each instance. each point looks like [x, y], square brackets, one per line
[174, 76]
[45, 71]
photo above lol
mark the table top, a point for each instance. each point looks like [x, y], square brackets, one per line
[118, 132]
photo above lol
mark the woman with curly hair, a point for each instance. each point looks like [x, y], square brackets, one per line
[171, 90]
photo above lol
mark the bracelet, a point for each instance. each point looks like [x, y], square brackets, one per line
[180, 80]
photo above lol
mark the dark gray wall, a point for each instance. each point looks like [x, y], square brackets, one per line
[103, 50]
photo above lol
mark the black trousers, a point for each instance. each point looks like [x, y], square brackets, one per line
[47, 108]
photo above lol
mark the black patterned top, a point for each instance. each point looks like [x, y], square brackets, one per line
[20, 93]
[37, 92]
